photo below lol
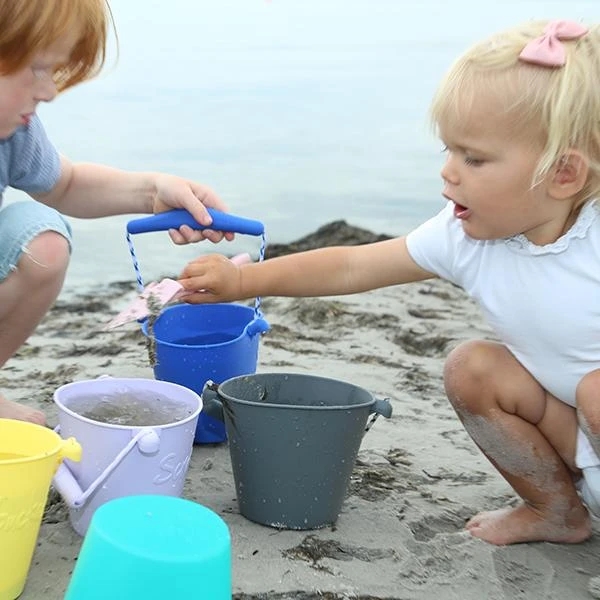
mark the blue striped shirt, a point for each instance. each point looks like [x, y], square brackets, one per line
[28, 160]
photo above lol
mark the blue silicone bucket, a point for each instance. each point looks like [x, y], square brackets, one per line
[195, 343]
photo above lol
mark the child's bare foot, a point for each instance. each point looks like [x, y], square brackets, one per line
[523, 524]
[14, 410]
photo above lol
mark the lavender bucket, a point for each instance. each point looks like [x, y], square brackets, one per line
[123, 459]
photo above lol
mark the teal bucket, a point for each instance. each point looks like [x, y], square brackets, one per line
[153, 547]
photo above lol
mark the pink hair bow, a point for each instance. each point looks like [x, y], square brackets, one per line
[547, 49]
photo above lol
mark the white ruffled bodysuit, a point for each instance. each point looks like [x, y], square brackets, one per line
[543, 302]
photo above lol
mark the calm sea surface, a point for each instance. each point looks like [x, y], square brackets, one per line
[297, 112]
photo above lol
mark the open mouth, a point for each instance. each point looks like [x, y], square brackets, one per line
[460, 211]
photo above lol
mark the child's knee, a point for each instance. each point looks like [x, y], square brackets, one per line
[587, 397]
[589, 386]
[465, 369]
[45, 257]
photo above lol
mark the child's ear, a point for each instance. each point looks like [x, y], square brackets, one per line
[569, 175]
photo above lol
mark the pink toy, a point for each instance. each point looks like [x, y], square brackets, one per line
[157, 295]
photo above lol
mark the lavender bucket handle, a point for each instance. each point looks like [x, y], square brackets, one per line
[148, 441]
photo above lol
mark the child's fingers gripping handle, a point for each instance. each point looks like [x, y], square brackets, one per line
[173, 219]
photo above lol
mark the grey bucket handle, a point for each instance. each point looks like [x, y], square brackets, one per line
[211, 405]
[381, 407]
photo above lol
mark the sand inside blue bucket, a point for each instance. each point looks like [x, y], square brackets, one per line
[128, 409]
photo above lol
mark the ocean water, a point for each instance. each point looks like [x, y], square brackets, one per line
[297, 112]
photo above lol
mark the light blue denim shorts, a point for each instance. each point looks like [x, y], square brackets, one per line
[20, 222]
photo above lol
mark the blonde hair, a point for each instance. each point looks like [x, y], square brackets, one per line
[557, 106]
[32, 26]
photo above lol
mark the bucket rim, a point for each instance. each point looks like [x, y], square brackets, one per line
[162, 342]
[306, 407]
[52, 435]
[112, 426]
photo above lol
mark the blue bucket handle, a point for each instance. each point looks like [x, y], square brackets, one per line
[173, 219]
[256, 326]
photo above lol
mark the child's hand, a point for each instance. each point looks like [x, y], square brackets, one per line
[212, 278]
[176, 192]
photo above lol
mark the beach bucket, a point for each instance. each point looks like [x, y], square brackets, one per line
[153, 547]
[293, 440]
[123, 460]
[195, 343]
[29, 456]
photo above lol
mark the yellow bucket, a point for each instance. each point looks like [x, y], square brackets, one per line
[29, 456]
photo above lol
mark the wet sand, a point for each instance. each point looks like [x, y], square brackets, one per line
[417, 479]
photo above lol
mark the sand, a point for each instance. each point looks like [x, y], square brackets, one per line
[417, 479]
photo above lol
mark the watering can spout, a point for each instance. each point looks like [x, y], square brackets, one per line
[70, 449]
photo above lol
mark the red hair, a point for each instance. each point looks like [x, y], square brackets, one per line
[31, 26]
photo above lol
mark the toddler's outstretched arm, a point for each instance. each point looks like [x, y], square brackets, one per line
[323, 272]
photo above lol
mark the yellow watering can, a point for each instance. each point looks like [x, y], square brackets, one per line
[29, 457]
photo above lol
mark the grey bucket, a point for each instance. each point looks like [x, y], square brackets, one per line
[293, 441]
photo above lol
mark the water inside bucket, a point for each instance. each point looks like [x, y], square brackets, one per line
[125, 408]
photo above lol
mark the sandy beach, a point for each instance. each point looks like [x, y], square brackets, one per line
[417, 479]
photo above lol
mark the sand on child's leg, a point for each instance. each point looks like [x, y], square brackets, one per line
[550, 511]
[528, 435]
[588, 408]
